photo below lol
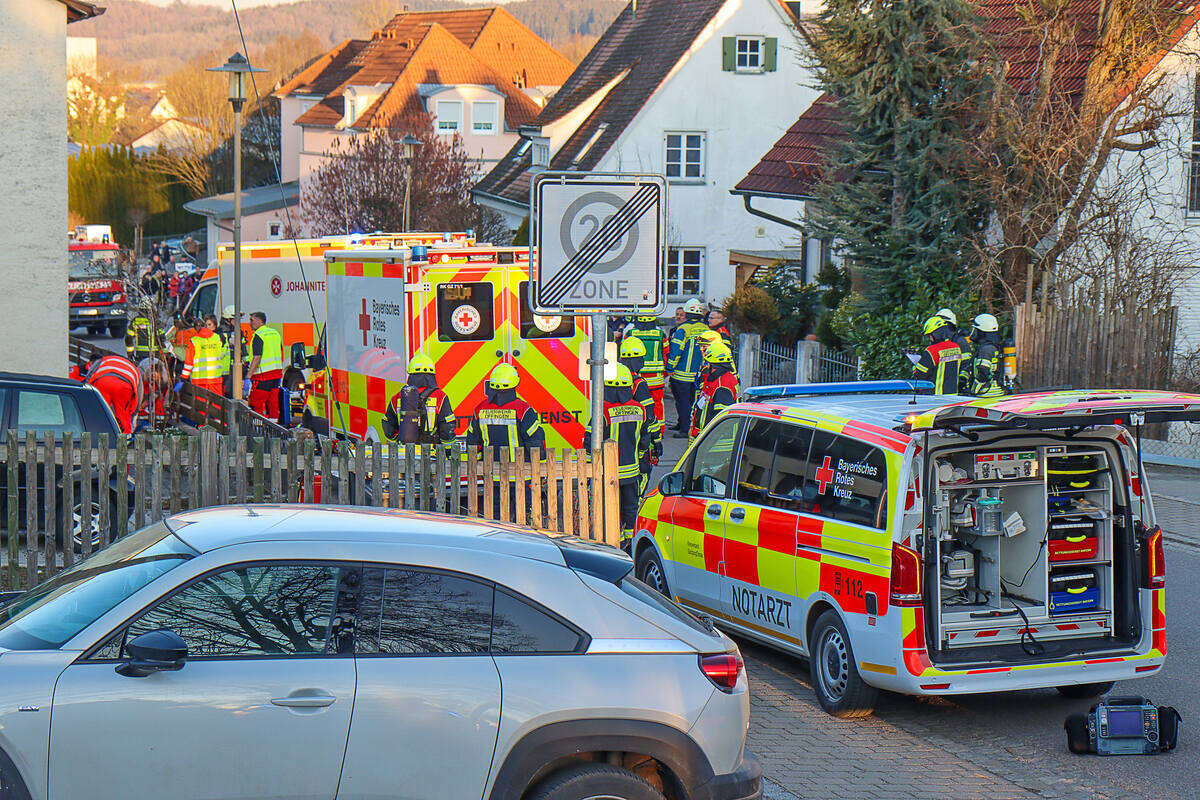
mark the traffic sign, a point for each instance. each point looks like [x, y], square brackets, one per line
[599, 242]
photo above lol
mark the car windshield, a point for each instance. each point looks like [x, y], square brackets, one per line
[50, 614]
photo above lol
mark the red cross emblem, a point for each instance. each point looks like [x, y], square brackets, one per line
[364, 322]
[465, 320]
[824, 475]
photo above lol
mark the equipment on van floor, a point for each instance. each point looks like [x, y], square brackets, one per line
[1123, 726]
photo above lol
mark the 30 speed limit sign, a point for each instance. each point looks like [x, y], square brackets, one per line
[599, 242]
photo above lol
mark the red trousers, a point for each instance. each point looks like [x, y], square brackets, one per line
[121, 398]
[212, 384]
[656, 392]
[265, 401]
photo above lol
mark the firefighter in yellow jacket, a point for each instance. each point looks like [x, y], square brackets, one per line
[626, 423]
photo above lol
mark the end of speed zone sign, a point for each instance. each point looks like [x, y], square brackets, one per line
[599, 242]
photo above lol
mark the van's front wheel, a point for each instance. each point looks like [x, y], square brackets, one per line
[839, 688]
[1083, 691]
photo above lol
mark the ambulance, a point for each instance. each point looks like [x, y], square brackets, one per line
[922, 544]
[468, 309]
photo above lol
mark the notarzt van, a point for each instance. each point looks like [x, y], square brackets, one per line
[923, 544]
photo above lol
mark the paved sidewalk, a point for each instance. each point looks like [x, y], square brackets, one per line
[1176, 492]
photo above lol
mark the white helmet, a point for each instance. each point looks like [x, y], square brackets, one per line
[946, 313]
[693, 306]
[987, 323]
[228, 312]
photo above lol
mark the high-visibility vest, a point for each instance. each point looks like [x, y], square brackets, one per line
[272, 350]
[206, 361]
[654, 364]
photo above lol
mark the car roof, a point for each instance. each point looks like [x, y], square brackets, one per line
[878, 409]
[211, 528]
[43, 380]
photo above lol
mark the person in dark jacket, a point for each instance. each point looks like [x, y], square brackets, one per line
[502, 420]
[420, 412]
[633, 355]
[719, 390]
[985, 370]
[626, 423]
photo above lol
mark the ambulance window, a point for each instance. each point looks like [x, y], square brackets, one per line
[204, 301]
[537, 326]
[465, 312]
[846, 480]
[712, 460]
[754, 468]
[787, 471]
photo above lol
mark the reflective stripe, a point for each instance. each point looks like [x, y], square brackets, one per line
[272, 347]
[206, 363]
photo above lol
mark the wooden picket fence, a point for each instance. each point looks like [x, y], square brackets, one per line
[136, 482]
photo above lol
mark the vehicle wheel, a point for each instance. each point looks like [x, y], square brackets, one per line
[76, 522]
[649, 570]
[117, 330]
[94, 331]
[1082, 691]
[840, 689]
[1078, 741]
[595, 782]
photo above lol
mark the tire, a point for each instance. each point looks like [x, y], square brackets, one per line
[1078, 741]
[840, 690]
[595, 781]
[649, 570]
[95, 331]
[117, 330]
[1083, 691]
[76, 532]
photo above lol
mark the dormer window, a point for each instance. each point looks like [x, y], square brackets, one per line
[449, 116]
[357, 99]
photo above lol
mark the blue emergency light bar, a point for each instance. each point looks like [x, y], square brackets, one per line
[843, 387]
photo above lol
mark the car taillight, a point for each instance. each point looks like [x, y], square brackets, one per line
[1156, 564]
[906, 576]
[722, 669]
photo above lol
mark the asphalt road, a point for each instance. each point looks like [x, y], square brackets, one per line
[103, 340]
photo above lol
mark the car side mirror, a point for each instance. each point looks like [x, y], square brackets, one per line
[316, 361]
[154, 651]
[671, 484]
[299, 357]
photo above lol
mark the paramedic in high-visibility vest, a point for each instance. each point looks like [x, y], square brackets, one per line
[633, 355]
[202, 362]
[940, 361]
[626, 423]
[720, 389]
[654, 367]
[420, 412]
[503, 421]
[120, 384]
[266, 367]
[684, 362]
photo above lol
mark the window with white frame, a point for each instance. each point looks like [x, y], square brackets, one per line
[685, 155]
[449, 116]
[484, 115]
[685, 271]
[1193, 196]
[749, 54]
[274, 230]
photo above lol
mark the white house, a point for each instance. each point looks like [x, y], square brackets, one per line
[33, 205]
[695, 90]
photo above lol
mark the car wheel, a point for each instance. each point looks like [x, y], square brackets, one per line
[595, 782]
[76, 522]
[649, 571]
[1082, 691]
[94, 331]
[840, 690]
[117, 331]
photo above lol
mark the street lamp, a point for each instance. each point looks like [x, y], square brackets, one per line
[238, 68]
[411, 143]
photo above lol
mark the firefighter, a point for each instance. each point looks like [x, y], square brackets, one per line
[720, 388]
[646, 329]
[986, 370]
[420, 412]
[140, 337]
[633, 355]
[716, 322]
[625, 422]
[940, 361]
[225, 329]
[202, 363]
[120, 383]
[960, 338]
[502, 420]
[684, 362]
[266, 367]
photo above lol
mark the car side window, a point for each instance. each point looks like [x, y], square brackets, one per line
[787, 486]
[712, 460]
[754, 465]
[847, 480]
[520, 627]
[260, 610]
[47, 411]
[422, 612]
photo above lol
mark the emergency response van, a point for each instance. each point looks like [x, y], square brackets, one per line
[468, 309]
[923, 544]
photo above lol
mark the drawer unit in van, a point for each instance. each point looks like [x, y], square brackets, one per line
[1073, 590]
[1073, 538]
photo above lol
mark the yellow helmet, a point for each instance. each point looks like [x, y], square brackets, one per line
[709, 338]
[420, 363]
[632, 347]
[617, 375]
[935, 323]
[504, 376]
[719, 353]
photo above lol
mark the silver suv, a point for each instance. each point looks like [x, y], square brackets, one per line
[287, 652]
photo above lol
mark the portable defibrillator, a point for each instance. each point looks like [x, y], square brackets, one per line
[1119, 726]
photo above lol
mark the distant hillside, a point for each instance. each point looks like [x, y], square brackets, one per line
[151, 41]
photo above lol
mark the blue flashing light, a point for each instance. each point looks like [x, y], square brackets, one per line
[420, 252]
[844, 387]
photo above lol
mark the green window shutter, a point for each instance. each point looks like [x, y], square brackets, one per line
[728, 45]
[770, 45]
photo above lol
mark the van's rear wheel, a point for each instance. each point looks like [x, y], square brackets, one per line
[840, 690]
[1083, 691]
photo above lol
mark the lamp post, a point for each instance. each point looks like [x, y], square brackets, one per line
[411, 143]
[238, 68]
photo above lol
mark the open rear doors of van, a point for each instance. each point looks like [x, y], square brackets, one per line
[1062, 410]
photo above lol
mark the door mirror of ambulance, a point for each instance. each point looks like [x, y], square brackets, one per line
[154, 651]
[316, 361]
[671, 484]
[299, 357]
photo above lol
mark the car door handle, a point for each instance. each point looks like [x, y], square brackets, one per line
[304, 701]
[714, 510]
[737, 514]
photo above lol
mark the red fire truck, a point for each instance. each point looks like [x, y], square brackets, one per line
[95, 283]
